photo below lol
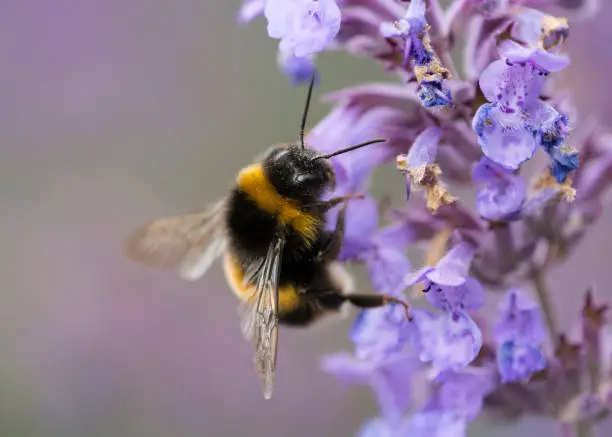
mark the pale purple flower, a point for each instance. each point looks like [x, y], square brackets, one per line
[297, 70]
[518, 335]
[447, 341]
[520, 319]
[390, 378]
[250, 10]
[379, 332]
[380, 360]
[462, 391]
[553, 133]
[411, 28]
[421, 170]
[505, 138]
[542, 60]
[448, 285]
[304, 27]
[501, 193]
[430, 74]
[518, 361]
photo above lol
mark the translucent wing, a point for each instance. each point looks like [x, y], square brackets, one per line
[259, 318]
[188, 243]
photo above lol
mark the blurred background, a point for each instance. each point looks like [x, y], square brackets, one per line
[116, 112]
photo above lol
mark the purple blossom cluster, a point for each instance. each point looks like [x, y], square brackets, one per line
[474, 110]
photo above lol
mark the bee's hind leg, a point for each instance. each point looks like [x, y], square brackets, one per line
[366, 301]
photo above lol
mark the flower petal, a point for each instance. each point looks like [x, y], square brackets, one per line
[520, 320]
[518, 361]
[504, 138]
[423, 150]
[387, 269]
[453, 268]
[468, 296]
[449, 341]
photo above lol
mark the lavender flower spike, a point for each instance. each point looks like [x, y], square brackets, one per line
[422, 171]
[304, 27]
[448, 285]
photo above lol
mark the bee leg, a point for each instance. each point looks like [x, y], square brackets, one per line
[334, 245]
[366, 301]
[326, 205]
[329, 204]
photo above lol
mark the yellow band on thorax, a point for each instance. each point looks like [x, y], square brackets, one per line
[253, 182]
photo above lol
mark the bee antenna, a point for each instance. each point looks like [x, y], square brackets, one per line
[348, 149]
[305, 114]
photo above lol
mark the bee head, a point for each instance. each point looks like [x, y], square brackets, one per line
[296, 173]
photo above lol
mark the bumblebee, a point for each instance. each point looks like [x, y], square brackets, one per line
[279, 259]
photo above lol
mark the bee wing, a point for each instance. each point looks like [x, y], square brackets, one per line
[189, 243]
[259, 318]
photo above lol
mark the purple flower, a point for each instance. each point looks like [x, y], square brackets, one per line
[380, 360]
[421, 170]
[520, 319]
[447, 341]
[390, 379]
[505, 138]
[297, 70]
[462, 391]
[379, 332]
[513, 86]
[541, 59]
[517, 361]
[553, 134]
[430, 74]
[448, 285]
[387, 266]
[542, 34]
[518, 335]
[501, 193]
[250, 10]
[412, 28]
[305, 27]
[433, 94]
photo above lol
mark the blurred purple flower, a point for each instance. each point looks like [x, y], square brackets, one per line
[379, 332]
[389, 378]
[501, 193]
[250, 10]
[297, 70]
[518, 335]
[380, 360]
[448, 285]
[447, 341]
[462, 391]
[520, 319]
[518, 361]
[305, 27]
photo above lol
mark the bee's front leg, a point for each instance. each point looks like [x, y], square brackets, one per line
[334, 245]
